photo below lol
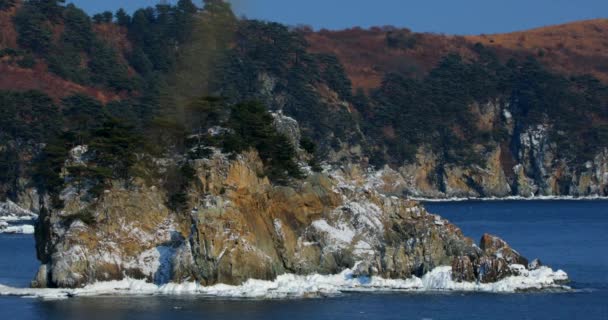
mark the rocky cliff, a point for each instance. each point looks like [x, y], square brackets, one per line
[239, 226]
[532, 166]
[528, 163]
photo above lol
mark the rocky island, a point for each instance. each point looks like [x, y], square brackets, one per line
[181, 149]
[237, 226]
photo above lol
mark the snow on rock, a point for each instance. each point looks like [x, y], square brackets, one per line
[293, 286]
[10, 214]
[10, 211]
[287, 126]
[77, 155]
[278, 228]
[19, 229]
[340, 234]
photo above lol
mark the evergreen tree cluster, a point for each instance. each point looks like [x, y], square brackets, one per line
[82, 56]
[436, 110]
[33, 119]
[5, 4]
[252, 128]
[273, 51]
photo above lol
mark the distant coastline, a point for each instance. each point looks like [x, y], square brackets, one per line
[512, 198]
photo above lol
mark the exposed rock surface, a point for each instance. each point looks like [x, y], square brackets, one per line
[241, 226]
[531, 167]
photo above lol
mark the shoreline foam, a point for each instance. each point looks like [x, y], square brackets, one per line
[294, 286]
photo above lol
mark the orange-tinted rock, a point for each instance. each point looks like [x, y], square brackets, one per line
[463, 269]
[498, 248]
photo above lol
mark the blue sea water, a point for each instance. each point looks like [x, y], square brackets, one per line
[571, 235]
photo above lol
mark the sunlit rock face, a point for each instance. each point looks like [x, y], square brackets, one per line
[239, 226]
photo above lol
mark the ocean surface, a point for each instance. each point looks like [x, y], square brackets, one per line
[568, 235]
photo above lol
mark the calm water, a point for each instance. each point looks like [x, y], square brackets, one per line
[565, 234]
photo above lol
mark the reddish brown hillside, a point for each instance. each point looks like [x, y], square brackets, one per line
[8, 36]
[13, 77]
[38, 78]
[575, 48]
[367, 57]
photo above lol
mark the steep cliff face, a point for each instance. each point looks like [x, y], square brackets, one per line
[516, 157]
[239, 226]
[532, 166]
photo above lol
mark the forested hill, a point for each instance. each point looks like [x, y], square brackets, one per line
[490, 115]
[577, 48]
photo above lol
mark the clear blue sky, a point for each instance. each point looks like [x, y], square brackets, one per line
[446, 16]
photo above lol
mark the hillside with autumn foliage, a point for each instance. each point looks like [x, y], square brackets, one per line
[489, 115]
[576, 48]
[573, 49]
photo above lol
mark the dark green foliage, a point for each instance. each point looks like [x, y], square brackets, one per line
[26, 119]
[122, 18]
[401, 39]
[124, 111]
[311, 148]
[252, 128]
[9, 171]
[184, 19]
[177, 185]
[78, 44]
[308, 145]
[105, 17]
[66, 58]
[5, 4]
[82, 115]
[33, 23]
[66, 62]
[78, 29]
[47, 169]
[112, 147]
[52, 9]
[9, 52]
[435, 110]
[112, 144]
[107, 70]
[155, 31]
[140, 62]
[272, 50]
[27, 116]
[33, 28]
[204, 113]
[334, 75]
[178, 201]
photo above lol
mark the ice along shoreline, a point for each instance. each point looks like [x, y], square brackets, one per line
[313, 286]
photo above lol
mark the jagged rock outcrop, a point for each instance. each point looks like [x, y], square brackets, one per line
[496, 247]
[288, 127]
[241, 226]
[496, 262]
